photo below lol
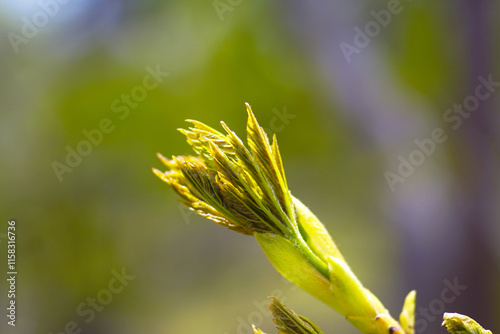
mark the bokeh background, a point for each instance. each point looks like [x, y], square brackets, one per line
[342, 122]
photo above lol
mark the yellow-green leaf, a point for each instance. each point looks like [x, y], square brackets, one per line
[294, 266]
[407, 316]
[289, 322]
[256, 330]
[350, 295]
[315, 233]
[461, 324]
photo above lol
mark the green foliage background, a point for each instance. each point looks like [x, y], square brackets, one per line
[192, 276]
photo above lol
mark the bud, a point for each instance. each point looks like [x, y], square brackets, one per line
[256, 330]
[289, 322]
[244, 188]
[461, 324]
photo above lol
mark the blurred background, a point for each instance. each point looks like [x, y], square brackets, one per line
[387, 118]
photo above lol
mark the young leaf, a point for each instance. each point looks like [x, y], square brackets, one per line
[289, 322]
[407, 316]
[461, 324]
[294, 266]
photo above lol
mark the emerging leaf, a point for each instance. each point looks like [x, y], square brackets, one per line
[240, 188]
[407, 316]
[256, 330]
[314, 233]
[461, 324]
[289, 322]
[294, 266]
[244, 188]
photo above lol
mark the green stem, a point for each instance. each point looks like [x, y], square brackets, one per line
[313, 259]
